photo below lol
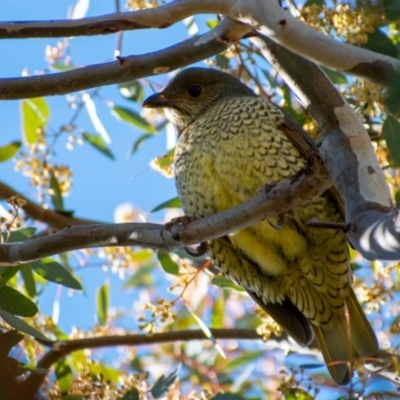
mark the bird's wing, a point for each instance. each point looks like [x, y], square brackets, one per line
[303, 142]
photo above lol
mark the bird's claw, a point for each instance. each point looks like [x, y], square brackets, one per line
[201, 249]
[183, 220]
[266, 188]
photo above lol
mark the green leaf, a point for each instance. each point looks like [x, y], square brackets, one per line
[108, 373]
[335, 76]
[16, 303]
[171, 203]
[391, 133]
[22, 326]
[60, 67]
[207, 332]
[317, 2]
[380, 43]
[391, 9]
[56, 194]
[29, 280]
[6, 273]
[8, 340]
[136, 146]
[163, 383]
[167, 263]
[244, 359]
[133, 394]
[98, 143]
[142, 277]
[103, 303]
[133, 118]
[35, 114]
[52, 271]
[392, 100]
[227, 396]
[63, 374]
[212, 23]
[132, 90]
[222, 62]
[218, 313]
[21, 235]
[223, 282]
[9, 150]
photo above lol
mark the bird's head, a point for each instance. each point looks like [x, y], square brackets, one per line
[193, 91]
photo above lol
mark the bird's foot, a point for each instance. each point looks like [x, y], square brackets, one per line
[183, 220]
[266, 188]
[201, 249]
[280, 221]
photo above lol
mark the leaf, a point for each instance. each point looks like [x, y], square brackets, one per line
[103, 303]
[133, 118]
[52, 271]
[142, 277]
[171, 203]
[80, 9]
[222, 61]
[107, 373]
[92, 111]
[98, 143]
[29, 280]
[9, 150]
[317, 2]
[391, 9]
[35, 114]
[133, 394]
[8, 340]
[207, 332]
[244, 359]
[136, 146]
[16, 303]
[223, 282]
[167, 263]
[22, 326]
[60, 67]
[21, 235]
[391, 133]
[227, 396]
[6, 273]
[218, 313]
[163, 383]
[380, 43]
[132, 90]
[312, 366]
[335, 76]
[392, 100]
[63, 374]
[56, 194]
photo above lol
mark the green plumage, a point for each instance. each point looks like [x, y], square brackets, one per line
[231, 143]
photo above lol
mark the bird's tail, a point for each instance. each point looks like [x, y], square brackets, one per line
[348, 339]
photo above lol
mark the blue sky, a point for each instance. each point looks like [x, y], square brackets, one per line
[99, 184]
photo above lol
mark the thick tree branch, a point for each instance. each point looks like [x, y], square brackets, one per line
[126, 68]
[309, 183]
[265, 16]
[348, 153]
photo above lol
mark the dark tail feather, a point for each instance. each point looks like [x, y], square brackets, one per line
[362, 335]
[336, 350]
[288, 316]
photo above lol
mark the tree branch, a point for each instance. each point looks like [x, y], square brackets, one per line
[126, 68]
[60, 349]
[299, 190]
[38, 213]
[265, 16]
[348, 154]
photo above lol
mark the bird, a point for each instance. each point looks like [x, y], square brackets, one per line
[230, 144]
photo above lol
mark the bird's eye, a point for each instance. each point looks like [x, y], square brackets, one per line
[195, 90]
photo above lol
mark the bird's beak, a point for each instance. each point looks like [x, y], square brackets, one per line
[156, 100]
